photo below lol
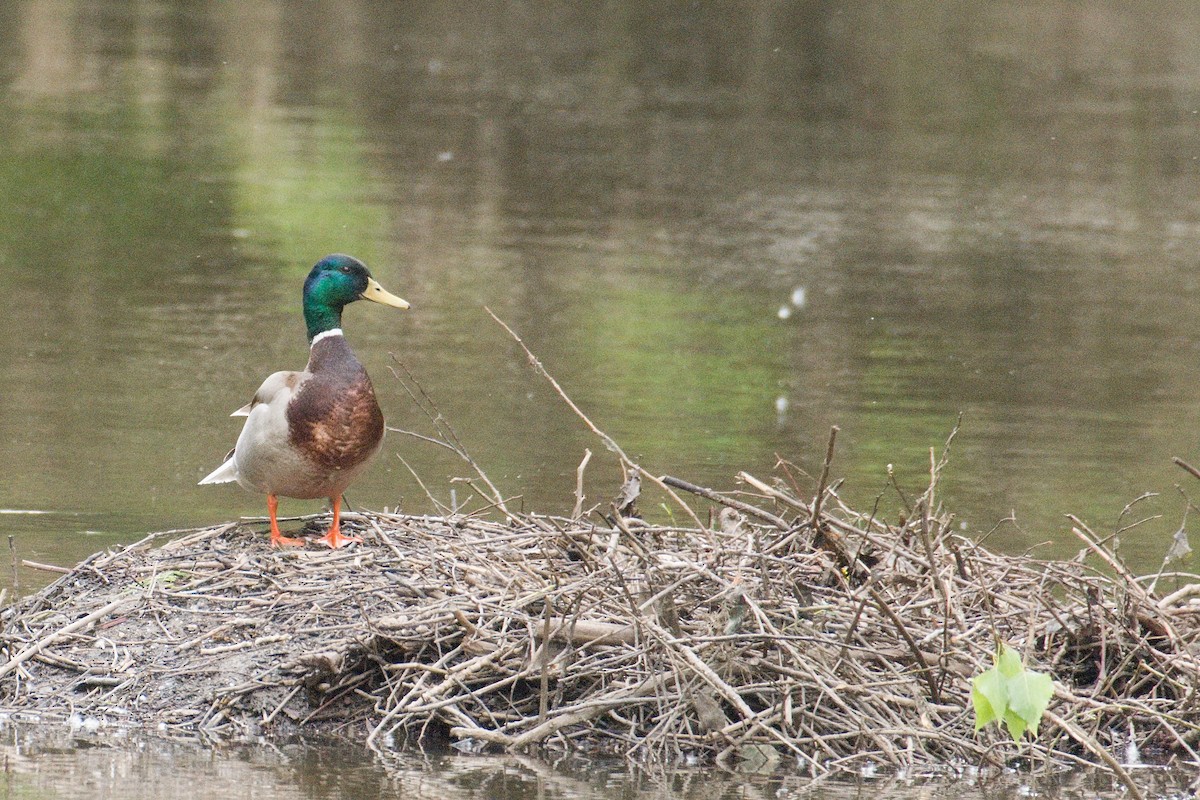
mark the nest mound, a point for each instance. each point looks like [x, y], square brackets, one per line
[779, 630]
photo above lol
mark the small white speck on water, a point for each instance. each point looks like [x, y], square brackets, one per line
[468, 745]
[445, 155]
[785, 312]
[799, 297]
[1133, 756]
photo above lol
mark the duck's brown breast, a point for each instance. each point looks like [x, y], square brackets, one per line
[334, 419]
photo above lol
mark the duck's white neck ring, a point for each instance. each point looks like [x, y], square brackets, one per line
[325, 335]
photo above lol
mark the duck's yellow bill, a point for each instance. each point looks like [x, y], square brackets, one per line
[377, 294]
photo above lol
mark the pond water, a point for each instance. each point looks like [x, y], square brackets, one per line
[723, 228]
[41, 764]
[723, 232]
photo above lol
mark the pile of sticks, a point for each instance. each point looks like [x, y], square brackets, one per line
[779, 628]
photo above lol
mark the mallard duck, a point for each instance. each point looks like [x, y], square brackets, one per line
[309, 434]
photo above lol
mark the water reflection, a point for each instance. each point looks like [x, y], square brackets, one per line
[42, 764]
[990, 209]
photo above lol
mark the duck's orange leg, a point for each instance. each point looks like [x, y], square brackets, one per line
[277, 538]
[334, 537]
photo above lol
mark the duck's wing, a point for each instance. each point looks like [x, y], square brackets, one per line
[276, 390]
[275, 393]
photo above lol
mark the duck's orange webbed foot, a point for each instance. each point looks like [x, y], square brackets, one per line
[277, 538]
[334, 537]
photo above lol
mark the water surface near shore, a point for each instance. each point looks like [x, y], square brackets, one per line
[55, 763]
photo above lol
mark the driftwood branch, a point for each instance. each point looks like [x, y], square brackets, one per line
[730, 502]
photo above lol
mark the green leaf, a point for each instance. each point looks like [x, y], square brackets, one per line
[1008, 662]
[1028, 696]
[1011, 695]
[1016, 725]
[989, 695]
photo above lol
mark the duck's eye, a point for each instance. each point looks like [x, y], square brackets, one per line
[345, 269]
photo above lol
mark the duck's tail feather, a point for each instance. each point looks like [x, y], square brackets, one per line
[226, 473]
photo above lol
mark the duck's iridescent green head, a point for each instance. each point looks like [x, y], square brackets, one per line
[335, 281]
